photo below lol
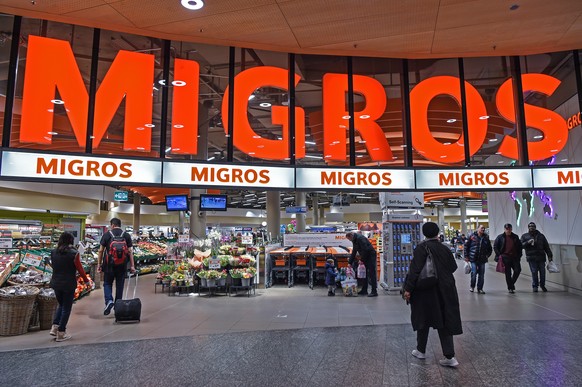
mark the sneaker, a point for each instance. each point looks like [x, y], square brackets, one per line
[452, 362]
[62, 336]
[417, 354]
[54, 330]
[374, 294]
[472, 290]
[544, 289]
[511, 291]
[108, 308]
[480, 291]
[535, 290]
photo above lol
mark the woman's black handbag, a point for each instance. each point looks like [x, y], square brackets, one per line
[428, 275]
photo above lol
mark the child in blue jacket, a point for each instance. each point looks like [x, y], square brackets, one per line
[330, 273]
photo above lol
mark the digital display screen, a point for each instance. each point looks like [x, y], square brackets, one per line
[405, 238]
[177, 203]
[212, 202]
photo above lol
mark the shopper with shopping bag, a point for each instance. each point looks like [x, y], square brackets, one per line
[507, 247]
[363, 247]
[437, 306]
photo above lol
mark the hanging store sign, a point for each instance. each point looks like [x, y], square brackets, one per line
[557, 177]
[223, 175]
[296, 210]
[51, 65]
[401, 200]
[481, 179]
[73, 167]
[344, 178]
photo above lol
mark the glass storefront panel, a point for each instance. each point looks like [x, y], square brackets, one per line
[51, 96]
[550, 98]
[6, 24]
[486, 76]
[320, 74]
[195, 130]
[261, 133]
[435, 109]
[378, 112]
[129, 100]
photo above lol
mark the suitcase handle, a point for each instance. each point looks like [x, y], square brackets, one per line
[127, 288]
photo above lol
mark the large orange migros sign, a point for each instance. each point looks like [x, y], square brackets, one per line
[51, 65]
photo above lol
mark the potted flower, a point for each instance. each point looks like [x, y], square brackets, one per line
[211, 277]
[222, 278]
[236, 275]
[224, 260]
[202, 275]
[246, 278]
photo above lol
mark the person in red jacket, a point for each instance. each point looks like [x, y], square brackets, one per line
[66, 262]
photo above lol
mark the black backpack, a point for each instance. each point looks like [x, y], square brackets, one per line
[118, 251]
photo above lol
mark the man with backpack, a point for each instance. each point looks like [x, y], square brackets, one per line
[114, 253]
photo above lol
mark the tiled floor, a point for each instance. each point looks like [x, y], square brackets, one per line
[300, 336]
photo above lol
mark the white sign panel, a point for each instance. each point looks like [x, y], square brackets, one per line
[73, 167]
[404, 218]
[401, 200]
[219, 175]
[510, 178]
[5, 243]
[345, 178]
[557, 177]
[316, 239]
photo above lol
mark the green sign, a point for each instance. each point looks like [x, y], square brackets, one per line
[120, 196]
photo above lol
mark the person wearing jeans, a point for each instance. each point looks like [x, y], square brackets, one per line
[111, 272]
[477, 251]
[65, 261]
[536, 247]
[507, 247]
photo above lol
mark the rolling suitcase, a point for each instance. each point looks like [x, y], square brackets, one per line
[128, 310]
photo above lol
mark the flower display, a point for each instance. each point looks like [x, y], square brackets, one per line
[213, 274]
[202, 273]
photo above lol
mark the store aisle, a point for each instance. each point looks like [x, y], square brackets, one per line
[300, 336]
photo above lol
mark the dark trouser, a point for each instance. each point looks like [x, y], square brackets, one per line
[117, 275]
[63, 312]
[370, 275]
[537, 267]
[447, 343]
[511, 264]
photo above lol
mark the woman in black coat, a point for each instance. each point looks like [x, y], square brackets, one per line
[438, 306]
[65, 261]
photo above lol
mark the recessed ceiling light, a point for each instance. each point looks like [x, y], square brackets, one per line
[192, 4]
[492, 140]
[149, 125]
[178, 126]
[564, 160]
[58, 101]
[53, 133]
[346, 117]
[265, 104]
[483, 117]
[364, 116]
[500, 162]
[447, 143]
[179, 83]
[451, 120]
[539, 136]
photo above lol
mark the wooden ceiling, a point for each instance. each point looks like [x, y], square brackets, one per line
[379, 28]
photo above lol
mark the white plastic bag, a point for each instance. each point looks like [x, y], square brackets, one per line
[361, 270]
[467, 268]
[552, 267]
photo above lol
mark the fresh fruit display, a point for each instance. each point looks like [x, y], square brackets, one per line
[82, 290]
[149, 250]
[30, 277]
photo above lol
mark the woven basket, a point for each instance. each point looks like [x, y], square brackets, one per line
[46, 311]
[15, 312]
[34, 323]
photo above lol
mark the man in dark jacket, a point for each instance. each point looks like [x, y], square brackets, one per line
[477, 251]
[363, 247]
[507, 247]
[437, 306]
[536, 247]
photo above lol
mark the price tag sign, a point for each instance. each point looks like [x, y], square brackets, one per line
[30, 259]
[214, 263]
[247, 239]
[183, 238]
[5, 243]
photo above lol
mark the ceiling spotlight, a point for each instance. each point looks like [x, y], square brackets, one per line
[483, 117]
[451, 120]
[192, 4]
[265, 104]
[58, 101]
